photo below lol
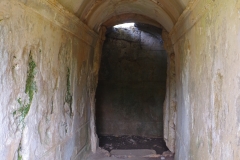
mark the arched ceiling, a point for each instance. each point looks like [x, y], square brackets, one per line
[97, 12]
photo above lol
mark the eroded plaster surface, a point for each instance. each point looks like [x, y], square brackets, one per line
[46, 83]
[207, 70]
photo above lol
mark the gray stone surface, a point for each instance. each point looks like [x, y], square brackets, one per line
[42, 125]
[46, 83]
[132, 81]
[104, 155]
[133, 153]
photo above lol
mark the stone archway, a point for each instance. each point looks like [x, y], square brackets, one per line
[63, 40]
[170, 99]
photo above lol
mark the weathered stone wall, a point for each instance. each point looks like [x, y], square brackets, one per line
[47, 87]
[46, 82]
[170, 104]
[206, 44]
[132, 83]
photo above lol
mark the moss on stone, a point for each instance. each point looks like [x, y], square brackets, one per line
[19, 157]
[30, 89]
[24, 109]
[31, 86]
[19, 150]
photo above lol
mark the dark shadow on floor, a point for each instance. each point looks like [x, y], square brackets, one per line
[132, 142]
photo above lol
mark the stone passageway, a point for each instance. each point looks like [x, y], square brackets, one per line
[51, 52]
[131, 89]
[132, 82]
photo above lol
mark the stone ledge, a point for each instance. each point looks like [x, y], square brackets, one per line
[54, 12]
[133, 153]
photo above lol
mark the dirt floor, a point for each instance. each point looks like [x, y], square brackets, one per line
[132, 142]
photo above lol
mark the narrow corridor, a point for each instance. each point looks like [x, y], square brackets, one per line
[51, 52]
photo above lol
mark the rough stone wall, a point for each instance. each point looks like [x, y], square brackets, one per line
[46, 82]
[206, 44]
[132, 80]
[170, 103]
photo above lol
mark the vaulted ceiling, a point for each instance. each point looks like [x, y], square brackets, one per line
[99, 12]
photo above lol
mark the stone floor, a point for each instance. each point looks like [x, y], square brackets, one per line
[105, 155]
[131, 148]
[132, 142]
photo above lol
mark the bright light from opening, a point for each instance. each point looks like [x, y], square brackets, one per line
[124, 25]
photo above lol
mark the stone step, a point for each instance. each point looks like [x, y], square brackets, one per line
[133, 158]
[138, 154]
[133, 153]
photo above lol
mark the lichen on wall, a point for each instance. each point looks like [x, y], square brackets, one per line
[30, 89]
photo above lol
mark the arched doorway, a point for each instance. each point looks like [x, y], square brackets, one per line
[131, 89]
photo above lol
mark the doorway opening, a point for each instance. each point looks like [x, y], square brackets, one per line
[131, 89]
